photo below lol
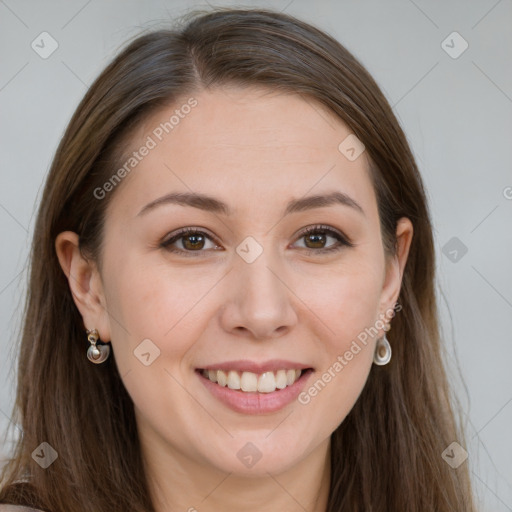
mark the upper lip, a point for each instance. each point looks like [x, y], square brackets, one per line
[245, 365]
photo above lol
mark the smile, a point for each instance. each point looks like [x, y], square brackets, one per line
[266, 382]
[255, 392]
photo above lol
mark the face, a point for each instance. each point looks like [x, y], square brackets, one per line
[247, 290]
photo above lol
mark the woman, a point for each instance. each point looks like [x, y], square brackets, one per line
[232, 224]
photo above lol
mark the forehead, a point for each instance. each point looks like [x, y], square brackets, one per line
[243, 143]
[259, 121]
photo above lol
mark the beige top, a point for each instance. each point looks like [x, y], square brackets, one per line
[17, 508]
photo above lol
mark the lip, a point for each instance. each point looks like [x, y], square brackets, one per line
[245, 365]
[255, 402]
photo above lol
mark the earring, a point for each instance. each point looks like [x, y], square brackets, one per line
[382, 353]
[96, 354]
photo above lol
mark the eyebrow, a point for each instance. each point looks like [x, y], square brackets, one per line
[211, 204]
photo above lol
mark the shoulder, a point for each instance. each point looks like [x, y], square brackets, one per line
[20, 497]
[17, 508]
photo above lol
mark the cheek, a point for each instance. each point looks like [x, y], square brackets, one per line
[347, 303]
[158, 302]
[153, 317]
[348, 309]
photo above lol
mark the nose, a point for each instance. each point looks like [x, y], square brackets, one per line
[259, 302]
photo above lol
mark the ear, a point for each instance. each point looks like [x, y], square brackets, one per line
[85, 284]
[395, 268]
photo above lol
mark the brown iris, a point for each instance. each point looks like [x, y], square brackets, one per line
[196, 241]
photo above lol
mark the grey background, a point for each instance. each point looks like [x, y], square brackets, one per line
[456, 113]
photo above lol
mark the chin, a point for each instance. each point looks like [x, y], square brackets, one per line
[257, 458]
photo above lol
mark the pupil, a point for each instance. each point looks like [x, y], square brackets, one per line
[319, 239]
[197, 239]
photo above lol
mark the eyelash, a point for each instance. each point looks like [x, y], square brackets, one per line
[182, 233]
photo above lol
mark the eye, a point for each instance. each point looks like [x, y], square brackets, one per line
[317, 236]
[192, 241]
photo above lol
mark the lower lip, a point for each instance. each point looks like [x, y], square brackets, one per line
[255, 402]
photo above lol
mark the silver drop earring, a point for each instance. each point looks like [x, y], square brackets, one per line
[382, 353]
[96, 354]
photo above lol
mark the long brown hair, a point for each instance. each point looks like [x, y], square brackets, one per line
[386, 454]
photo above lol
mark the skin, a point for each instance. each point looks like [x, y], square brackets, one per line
[255, 150]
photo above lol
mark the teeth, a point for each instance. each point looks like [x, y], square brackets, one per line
[233, 380]
[290, 377]
[267, 382]
[281, 380]
[251, 382]
[222, 378]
